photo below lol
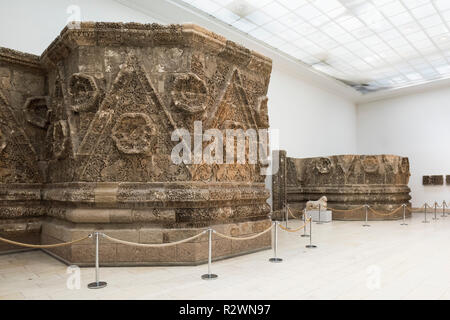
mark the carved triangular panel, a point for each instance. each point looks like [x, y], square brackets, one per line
[234, 111]
[18, 161]
[130, 137]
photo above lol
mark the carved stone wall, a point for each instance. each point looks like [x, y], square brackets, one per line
[348, 182]
[98, 131]
[22, 170]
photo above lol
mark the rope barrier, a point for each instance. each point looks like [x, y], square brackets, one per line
[348, 210]
[246, 238]
[153, 245]
[385, 214]
[292, 215]
[295, 230]
[43, 246]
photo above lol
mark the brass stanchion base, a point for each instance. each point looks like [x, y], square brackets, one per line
[310, 246]
[97, 285]
[276, 260]
[210, 276]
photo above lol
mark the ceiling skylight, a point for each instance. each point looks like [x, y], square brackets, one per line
[368, 44]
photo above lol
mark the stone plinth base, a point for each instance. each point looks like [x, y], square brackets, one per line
[325, 216]
[360, 215]
[113, 254]
[20, 230]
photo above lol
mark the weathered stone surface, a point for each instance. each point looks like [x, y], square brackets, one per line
[348, 182]
[85, 138]
[433, 180]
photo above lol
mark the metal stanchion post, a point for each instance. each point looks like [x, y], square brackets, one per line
[209, 275]
[443, 209]
[275, 259]
[310, 245]
[366, 224]
[287, 215]
[435, 211]
[425, 221]
[97, 284]
[404, 216]
[304, 235]
[320, 220]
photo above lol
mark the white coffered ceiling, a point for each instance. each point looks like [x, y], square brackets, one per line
[370, 45]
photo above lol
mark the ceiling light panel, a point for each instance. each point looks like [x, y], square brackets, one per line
[393, 43]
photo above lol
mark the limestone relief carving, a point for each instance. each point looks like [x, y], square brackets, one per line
[392, 164]
[363, 179]
[233, 110]
[323, 165]
[60, 136]
[262, 112]
[202, 172]
[3, 99]
[83, 92]
[103, 144]
[404, 166]
[345, 163]
[3, 140]
[189, 93]
[133, 133]
[37, 111]
[370, 164]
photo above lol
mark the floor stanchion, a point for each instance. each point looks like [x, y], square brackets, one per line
[404, 215]
[435, 211]
[320, 220]
[304, 235]
[366, 223]
[275, 258]
[209, 275]
[97, 284]
[287, 215]
[310, 245]
[444, 205]
[425, 221]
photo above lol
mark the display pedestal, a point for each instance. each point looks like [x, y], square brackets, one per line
[325, 216]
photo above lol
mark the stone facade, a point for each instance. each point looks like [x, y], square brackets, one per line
[85, 139]
[348, 182]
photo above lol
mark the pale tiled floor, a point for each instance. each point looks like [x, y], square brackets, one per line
[411, 262]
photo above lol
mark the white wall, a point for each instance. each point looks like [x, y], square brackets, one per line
[416, 126]
[312, 122]
[30, 26]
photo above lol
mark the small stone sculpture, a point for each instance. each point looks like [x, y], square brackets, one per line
[314, 205]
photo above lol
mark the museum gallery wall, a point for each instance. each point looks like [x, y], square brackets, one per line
[85, 143]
